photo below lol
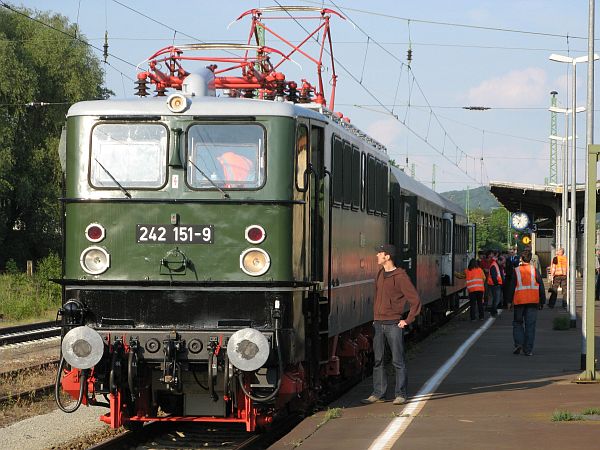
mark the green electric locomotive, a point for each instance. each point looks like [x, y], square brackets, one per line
[218, 252]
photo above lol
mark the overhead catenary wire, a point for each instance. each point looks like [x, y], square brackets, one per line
[404, 122]
[458, 25]
[84, 42]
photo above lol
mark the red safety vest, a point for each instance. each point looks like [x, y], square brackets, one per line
[490, 281]
[561, 267]
[475, 279]
[527, 289]
[235, 167]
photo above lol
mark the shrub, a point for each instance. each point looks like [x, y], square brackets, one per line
[11, 267]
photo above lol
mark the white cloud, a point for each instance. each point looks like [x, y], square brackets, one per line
[516, 88]
[386, 131]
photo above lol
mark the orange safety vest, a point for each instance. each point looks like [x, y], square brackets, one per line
[235, 167]
[490, 281]
[527, 289]
[475, 279]
[561, 267]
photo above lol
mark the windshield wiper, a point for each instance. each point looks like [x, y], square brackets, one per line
[225, 194]
[127, 194]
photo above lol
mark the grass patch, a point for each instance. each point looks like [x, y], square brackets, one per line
[565, 416]
[331, 413]
[591, 412]
[26, 297]
[561, 323]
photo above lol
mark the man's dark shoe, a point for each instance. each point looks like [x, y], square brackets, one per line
[372, 399]
[527, 353]
[517, 349]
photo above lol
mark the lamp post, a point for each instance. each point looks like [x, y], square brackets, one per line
[570, 247]
[573, 215]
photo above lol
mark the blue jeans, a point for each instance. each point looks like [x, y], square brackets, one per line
[496, 293]
[394, 336]
[525, 316]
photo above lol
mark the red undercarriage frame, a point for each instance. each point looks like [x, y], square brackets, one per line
[348, 357]
[260, 76]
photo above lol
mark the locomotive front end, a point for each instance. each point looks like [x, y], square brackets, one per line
[180, 297]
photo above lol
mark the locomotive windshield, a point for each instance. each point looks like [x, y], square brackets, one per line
[232, 156]
[128, 155]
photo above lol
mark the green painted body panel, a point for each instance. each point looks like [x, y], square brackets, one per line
[219, 261]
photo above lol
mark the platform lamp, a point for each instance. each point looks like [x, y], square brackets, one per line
[570, 250]
[573, 213]
[573, 231]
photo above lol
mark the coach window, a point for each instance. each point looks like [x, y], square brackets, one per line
[406, 224]
[371, 184]
[230, 156]
[384, 188]
[132, 155]
[356, 178]
[301, 156]
[420, 233]
[363, 180]
[348, 174]
[338, 171]
[426, 233]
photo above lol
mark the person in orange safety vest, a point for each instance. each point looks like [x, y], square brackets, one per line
[236, 168]
[558, 272]
[475, 280]
[527, 295]
[495, 280]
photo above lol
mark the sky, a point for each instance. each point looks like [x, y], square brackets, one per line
[492, 54]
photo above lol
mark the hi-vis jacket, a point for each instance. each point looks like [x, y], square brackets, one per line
[475, 279]
[527, 286]
[235, 167]
[494, 278]
[559, 266]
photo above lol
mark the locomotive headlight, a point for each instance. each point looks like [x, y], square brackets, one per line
[177, 103]
[255, 261]
[248, 349]
[94, 260]
[82, 347]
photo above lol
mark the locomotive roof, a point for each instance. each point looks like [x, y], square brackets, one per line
[200, 106]
[417, 188]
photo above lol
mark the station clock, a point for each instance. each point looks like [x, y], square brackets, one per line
[519, 220]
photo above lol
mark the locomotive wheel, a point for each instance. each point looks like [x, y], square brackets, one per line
[132, 374]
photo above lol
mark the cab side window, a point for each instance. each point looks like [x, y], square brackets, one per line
[301, 156]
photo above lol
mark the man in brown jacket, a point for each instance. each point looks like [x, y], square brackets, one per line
[393, 290]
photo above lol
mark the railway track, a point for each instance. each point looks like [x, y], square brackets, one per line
[31, 332]
[187, 435]
[39, 390]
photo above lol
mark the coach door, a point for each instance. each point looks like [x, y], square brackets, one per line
[317, 201]
[408, 238]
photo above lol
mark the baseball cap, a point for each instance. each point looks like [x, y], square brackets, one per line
[386, 248]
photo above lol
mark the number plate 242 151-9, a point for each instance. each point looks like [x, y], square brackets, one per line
[174, 234]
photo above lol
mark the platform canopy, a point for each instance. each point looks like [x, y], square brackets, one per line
[537, 200]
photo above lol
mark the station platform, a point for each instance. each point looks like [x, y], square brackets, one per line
[490, 398]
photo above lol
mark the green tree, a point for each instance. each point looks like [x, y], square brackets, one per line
[491, 228]
[39, 64]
